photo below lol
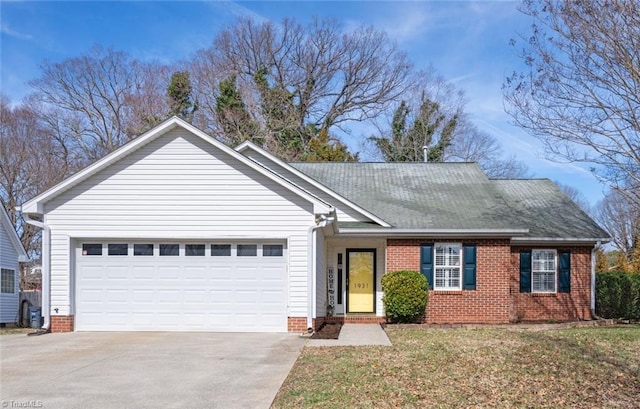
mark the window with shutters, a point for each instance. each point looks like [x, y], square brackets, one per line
[543, 271]
[448, 266]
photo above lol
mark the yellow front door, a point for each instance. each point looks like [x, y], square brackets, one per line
[361, 284]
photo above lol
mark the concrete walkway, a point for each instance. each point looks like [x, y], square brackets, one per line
[355, 335]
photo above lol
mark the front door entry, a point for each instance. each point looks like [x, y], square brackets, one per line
[361, 267]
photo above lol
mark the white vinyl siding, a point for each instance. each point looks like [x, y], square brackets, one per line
[543, 271]
[181, 187]
[447, 273]
[9, 262]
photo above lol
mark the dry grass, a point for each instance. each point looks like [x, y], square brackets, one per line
[596, 367]
[15, 330]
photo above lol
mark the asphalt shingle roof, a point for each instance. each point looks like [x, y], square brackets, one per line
[454, 196]
[546, 210]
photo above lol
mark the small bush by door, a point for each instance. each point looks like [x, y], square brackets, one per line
[405, 295]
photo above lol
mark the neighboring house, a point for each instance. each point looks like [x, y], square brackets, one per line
[176, 231]
[12, 253]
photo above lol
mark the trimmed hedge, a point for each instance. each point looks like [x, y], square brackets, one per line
[618, 295]
[405, 295]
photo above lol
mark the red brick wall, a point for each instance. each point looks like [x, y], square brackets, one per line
[352, 319]
[62, 323]
[297, 324]
[489, 303]
[575, 305]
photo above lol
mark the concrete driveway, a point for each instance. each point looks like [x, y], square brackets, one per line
[145, 369]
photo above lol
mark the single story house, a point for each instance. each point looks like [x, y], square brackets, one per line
[176, 231]
[12, 253]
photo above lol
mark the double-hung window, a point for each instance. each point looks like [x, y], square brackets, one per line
[543, 271]
[447, 266]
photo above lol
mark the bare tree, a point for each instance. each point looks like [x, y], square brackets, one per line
[620, 217]
[473, 145]
[102, 99]
[33, 158]
[311, 76]
[576, 197]
[580, 92]
[148, 105]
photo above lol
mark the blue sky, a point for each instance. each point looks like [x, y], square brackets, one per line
[467, 42]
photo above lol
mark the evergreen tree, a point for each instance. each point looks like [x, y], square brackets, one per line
[323, 148]
[180, 100]
[430, 127]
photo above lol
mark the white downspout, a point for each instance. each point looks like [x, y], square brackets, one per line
[593, 279]
[312, 273]
[46, 268]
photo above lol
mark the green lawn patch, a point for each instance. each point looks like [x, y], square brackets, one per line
[473, 368]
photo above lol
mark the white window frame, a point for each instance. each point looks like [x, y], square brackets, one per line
[541, 270]
[7, 279]
[448, 267]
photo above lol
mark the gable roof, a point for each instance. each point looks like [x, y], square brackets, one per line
[456, 197]
[36, 205]
[268, 160]
[7, 225]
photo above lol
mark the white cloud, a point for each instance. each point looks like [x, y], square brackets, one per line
[5, 29]
[236, 9]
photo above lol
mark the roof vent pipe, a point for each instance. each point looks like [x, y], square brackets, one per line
[425, 149]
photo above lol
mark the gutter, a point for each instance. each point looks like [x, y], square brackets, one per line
[321, 222]
[46, 268]
[509, 233]
[559, 240]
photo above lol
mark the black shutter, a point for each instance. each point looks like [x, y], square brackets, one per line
[469, 274]
[525, 271]
[426, 263]
[564, 272]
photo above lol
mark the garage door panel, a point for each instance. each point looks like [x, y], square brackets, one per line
[115, 297]
[143, 273]
[118, 272]
[168, 293]
[172, 297]
[143, 296]
[195, 297]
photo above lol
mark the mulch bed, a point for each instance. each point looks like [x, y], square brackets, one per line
[328, 331]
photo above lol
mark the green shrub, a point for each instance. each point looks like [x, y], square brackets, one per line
[618, 295]
[405, 295]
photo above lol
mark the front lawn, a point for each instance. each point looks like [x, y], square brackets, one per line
[595, 367]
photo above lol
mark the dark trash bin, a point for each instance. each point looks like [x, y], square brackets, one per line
[35, 319]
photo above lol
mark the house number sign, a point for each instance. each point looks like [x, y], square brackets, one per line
[331, 293]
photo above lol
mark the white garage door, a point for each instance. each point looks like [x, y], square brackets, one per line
[173, 286]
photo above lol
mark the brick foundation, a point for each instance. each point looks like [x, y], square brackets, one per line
[297, 324]
[571, 306]
[62, 323]
[352, 319]
[497, 298]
